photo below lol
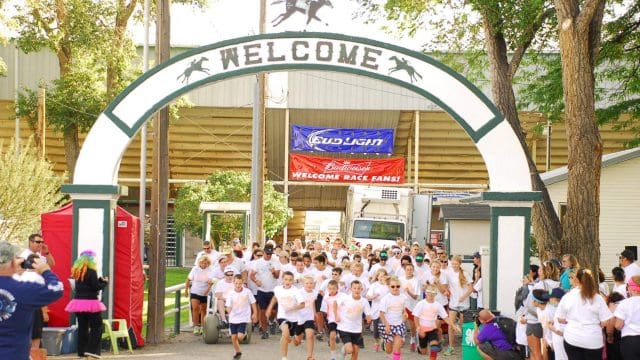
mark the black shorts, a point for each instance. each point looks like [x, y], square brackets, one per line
[535, 330]
[290, 324]
[376, 330]
[300, 328]
[353, 338]
[428, 338]
[263, 299]
[318, 302]
[38, 323]
[332, 327]
[202, 299]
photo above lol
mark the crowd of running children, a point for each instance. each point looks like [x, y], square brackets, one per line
[407, 292]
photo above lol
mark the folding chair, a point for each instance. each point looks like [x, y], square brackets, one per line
[114, 335]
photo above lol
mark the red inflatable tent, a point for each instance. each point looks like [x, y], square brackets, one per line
[128, 277]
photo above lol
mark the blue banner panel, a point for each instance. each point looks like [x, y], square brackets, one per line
[342, 140]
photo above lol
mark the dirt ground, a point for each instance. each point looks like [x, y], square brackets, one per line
[188, 346]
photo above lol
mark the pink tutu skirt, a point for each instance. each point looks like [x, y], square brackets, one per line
[85, 305]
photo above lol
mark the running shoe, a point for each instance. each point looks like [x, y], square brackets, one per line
[196, 330]
[376, 347]
[450, 351]
[237, 356]
[413, 347]
[92, 355]
[273, 327]
[265, 335]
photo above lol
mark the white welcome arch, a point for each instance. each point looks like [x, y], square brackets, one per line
[95, 184]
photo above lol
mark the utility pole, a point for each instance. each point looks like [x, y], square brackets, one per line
[257, 149]
[159, 191]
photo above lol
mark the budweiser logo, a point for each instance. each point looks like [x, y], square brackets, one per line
[347, 167]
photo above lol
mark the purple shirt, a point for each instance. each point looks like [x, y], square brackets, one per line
[491, 332]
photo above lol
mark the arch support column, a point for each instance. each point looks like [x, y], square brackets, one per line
[94, 212]
[510, 245]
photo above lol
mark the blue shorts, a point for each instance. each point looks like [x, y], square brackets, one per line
[263, 299]
[238, 328]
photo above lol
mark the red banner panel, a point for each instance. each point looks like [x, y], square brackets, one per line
[315, 168]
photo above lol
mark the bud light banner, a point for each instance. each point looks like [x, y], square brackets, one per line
[315, 168]
[361, 141]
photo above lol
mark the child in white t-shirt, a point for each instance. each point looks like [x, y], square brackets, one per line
[306, 315]
[413, 290]
[378, 289]
[331, 296]
[289, 301]
[392, 318]
[425, 318]
[241, 306]
[349, 319]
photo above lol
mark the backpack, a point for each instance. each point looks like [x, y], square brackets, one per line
[521, 296]
[508, 327]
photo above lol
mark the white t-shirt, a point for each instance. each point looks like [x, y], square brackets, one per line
[309, 310]
[320, 276]
[213, 257]
[223, 287]
[414, 285]
[284, 268]
[26, 252]
[377, 266]
[631, 270]
[393, 308]
[558, 340]
[199, 278]
[297, 277]
[427, 314]
[363, 278]
[263, 267]
[583, 319]
[240, 304]
[441, 298]
[351, 311]
[620, 289]
[287, 300]
[458, 290]
[239, 265]
[379, 290]
[629, 311]
[603, 288]
[545, 316]
[327, 305]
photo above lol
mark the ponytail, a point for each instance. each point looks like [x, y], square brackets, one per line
[588, 284]
[463, 279]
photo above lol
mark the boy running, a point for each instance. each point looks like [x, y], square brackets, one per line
[241, 306]
[289, 301]
[349, 319]
[331, 296]
[306, 315]
[425, 315]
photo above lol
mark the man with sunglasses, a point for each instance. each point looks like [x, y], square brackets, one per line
[38, 247]
[209, 251]
[265, 272]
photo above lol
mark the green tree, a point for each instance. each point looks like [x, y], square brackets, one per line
[29, 188]
[507, 30]
[3, 39]
[227, 186]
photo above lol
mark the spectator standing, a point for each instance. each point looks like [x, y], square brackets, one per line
[628, 263]
[585, 313]
[86, 304]
[39, 247]
[628, 320]
[619, 285]
[556, 328]
[569, 263]
[613, 335]
[19, 299]
[548, 274]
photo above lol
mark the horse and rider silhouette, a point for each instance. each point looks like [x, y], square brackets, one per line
[404, 65]
[195, 65]
[308, 7]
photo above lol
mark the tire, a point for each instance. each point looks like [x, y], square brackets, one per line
[210, 329]
[247, 340]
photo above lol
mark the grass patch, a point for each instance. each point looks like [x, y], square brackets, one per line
[173, 276]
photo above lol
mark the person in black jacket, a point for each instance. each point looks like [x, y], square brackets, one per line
[86, 305]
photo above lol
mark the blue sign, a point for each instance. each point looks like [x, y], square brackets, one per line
[341, 140]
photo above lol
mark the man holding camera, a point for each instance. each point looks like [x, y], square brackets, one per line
[491, 341]
[19, 299]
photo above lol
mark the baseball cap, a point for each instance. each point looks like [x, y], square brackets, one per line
[230, 269]
[476, 255]
[268, 250]
[384, 255]
[8, 252]
[557, 293]
[628, 254]
[419, 257]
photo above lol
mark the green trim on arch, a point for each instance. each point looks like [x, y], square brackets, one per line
[475, 135]
[511, 196]
[90, 189]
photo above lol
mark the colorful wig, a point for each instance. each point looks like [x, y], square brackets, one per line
[85, 261]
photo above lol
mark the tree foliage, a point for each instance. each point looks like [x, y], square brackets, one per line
[30, 188]
[227, 186]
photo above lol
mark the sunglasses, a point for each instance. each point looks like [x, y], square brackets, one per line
[38, 241]
[228, 274]
[440, 253]
[395, 286]
[258, 255]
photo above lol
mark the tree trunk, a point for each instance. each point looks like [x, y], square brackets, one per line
[71, 148]
[114, 71]
[579, 40]
[545, 221]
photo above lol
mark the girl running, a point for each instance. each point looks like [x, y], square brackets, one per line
[460, 288]
[392, 318]
[376, 292]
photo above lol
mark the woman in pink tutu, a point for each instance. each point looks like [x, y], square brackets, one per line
[85, 304]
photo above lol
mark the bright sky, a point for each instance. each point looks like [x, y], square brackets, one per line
[227, 19]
